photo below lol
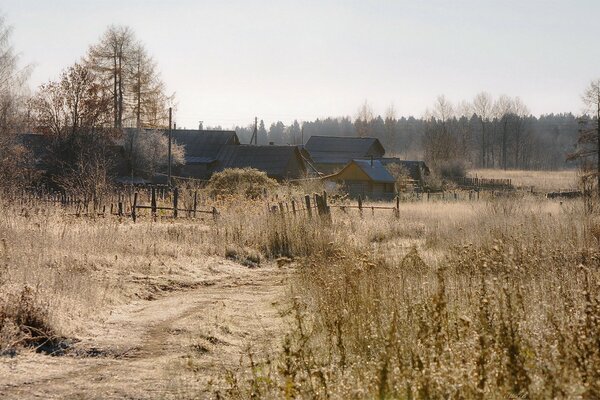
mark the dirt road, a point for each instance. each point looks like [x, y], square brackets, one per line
[176, 346]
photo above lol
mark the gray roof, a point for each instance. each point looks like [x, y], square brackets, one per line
[375, 170]
[205, 144]
[191, 160]
[202, 144]
[277, 161]
[340, 150]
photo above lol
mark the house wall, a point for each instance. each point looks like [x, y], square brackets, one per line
[199, 171]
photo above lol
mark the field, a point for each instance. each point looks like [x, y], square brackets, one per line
[490, 298]
[538, 180]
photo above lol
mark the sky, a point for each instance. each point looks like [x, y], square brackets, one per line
[229, 61]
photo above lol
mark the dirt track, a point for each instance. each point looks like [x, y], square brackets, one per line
[177, 346]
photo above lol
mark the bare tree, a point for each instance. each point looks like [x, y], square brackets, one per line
[520, 112]
[390, 127]
[364, 117]
[149, 151]
[483, 108]
[75, 102]
[589, 133]
[13, 97]
[503, 110]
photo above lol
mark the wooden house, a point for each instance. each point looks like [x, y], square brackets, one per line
[367, 178]
[330, 154]
[279, 162]
[202, 149]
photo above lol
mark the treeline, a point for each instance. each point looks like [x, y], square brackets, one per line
[484, 133]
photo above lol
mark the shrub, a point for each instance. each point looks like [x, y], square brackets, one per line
[246, 182]
[452, 169]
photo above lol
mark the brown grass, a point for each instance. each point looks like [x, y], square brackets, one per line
[497, 298]
[539, 180]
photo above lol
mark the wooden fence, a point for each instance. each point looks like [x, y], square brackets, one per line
[319, 204]
[486, 183]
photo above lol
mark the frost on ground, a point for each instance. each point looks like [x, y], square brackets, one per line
[179, 344]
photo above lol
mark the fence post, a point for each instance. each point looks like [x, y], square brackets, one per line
[397, 209]
[195, 202]
[325, 205]
[133, 209]
[175, 199]
[308, 210]
[294, 207]
[360, 205]
[215, 213]
[153, 202]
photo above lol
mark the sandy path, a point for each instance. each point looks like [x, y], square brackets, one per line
[177, 346]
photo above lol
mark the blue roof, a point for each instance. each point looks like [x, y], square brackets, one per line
[375, 170]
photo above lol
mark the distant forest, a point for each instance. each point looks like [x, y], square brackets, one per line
[508, 141]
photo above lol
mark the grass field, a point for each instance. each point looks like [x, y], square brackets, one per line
[496, 298]
[539, 180]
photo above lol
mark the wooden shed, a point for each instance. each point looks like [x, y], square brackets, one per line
[367, 178]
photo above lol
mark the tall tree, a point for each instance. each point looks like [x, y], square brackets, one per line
[504, 111]
[149, 101]
[109, 58]
[364, 117]
[482, 107]
[13, 94]
[589, 134]
[129, 74]
[390, 128]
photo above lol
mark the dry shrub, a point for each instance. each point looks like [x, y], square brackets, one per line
[24, 318]
[249, 183]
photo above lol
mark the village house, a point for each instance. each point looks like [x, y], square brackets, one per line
[365, 178]
[330, 154]
[202, 149]
[278, 162]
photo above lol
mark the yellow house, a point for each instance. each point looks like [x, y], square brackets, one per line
[367, 178]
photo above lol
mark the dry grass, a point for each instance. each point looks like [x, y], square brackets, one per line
[494, 299]
[491, 299]
[539, 180]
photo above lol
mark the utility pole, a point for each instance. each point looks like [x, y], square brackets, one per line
[598, 139]
[170, 139]
[255, 133]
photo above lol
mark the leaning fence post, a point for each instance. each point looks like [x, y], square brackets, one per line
[133, 209]
[307, 200]
[195, 202]
[175, 199]
[294, 207]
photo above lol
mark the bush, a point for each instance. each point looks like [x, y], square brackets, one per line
[246, 182]
[452, 169]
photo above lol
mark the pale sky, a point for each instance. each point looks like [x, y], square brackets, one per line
[228, 61]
